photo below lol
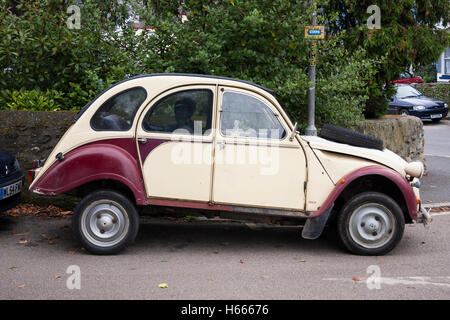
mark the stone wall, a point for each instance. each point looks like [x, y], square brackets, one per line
[32, 135]
[401, 134]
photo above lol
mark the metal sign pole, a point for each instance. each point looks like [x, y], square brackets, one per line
[311, 128]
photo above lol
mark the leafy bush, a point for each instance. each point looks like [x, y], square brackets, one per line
[439, 91]
[35, 100]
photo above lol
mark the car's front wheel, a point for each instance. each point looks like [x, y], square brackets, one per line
[371, 223]
[105, 222]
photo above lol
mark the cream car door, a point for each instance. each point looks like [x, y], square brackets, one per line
[255, 162]
[174, 139]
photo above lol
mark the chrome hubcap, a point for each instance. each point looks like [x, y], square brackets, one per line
[371, 225]
[104, 223]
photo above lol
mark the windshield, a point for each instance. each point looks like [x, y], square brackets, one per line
[407, 92]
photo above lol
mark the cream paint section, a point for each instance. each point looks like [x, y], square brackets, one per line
[256, 172]
[166, 174]
[339, 165]
[81, 133]
[319, 184]
[244, 183]
[385, 157]
[180, 168]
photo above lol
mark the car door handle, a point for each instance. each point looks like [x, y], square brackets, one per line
[142, 140]
[221, 145]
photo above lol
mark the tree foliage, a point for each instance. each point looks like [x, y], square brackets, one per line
[260, 41]
[408, 36]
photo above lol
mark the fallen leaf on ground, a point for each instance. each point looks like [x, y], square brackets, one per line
[356, 279]
[302, 260]
[212, 281]
[71, 252]
[21, 286]
[12, 268]
[240, 261]
[28, 209]
[56, 276]
[164, 260]
[51, 242]
[23, 241]
[163, 285]
[265, 277]
[216, 252]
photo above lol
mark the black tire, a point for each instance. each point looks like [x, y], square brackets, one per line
[436, 120]
[371, 223]
[105, 222]
[343, 135]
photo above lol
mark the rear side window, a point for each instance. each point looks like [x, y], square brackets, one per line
[118, 112]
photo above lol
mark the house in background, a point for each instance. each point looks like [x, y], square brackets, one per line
[443, 66]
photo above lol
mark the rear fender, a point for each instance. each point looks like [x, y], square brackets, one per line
[98, 161]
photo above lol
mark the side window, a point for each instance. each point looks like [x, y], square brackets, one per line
[188, 112]
[118, 112]
[245, 116]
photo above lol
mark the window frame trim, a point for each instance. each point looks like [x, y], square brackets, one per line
[268, 104]
[169, 93]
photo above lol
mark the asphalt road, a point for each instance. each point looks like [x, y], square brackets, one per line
[436, 184]
[210, 260]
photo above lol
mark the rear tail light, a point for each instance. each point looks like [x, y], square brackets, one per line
[32, 172]
[30, 176]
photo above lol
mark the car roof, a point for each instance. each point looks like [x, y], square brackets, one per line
[171, 74]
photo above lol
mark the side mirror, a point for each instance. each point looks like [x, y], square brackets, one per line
[294, 132]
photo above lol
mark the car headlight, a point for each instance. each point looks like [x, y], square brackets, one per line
[445, 106]
[415, 169]
[419, 108]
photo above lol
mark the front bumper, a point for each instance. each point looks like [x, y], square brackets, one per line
[426, 114]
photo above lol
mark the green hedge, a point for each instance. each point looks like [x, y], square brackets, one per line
[439, 91]
[34, 100]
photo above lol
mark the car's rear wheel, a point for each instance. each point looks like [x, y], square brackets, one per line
[371, 223]
[105, 222]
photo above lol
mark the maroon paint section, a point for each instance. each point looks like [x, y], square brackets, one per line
[395, 177]
[114, 159]
[146, 148]
[187, 204]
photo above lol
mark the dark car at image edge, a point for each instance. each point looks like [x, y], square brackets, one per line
[11, 181]
[410, 101]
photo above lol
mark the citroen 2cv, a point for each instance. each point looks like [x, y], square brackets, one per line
[223, 145]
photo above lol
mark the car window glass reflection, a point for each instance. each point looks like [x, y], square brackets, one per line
[118, 112]
[185, 112]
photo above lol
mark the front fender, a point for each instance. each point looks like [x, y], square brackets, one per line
[98, 161]
[395, 177]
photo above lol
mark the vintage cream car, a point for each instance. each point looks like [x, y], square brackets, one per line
[225, 146]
